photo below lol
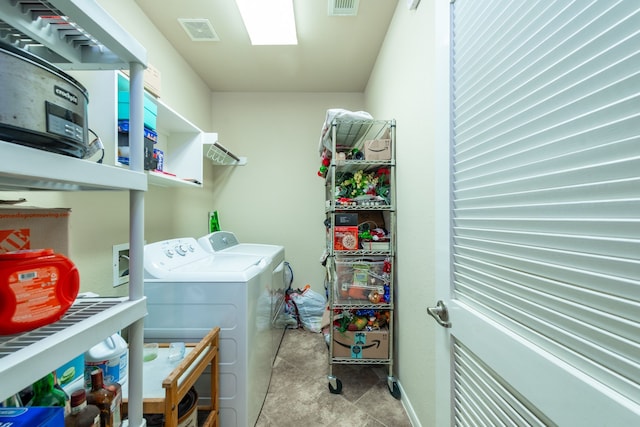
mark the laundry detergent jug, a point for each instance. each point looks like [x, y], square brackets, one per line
[111, 356]
[36, 288]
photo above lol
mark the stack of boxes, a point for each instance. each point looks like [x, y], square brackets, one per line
[153, 158]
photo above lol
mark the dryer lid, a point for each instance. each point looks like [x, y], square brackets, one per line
[226, 242]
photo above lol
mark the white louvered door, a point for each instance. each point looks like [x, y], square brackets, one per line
[544, 220]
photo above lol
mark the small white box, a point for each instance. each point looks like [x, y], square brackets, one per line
[151, 80]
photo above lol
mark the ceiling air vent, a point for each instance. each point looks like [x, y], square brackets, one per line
[200, 30]
[343, 7]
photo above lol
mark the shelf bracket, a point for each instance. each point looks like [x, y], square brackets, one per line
[219, 155]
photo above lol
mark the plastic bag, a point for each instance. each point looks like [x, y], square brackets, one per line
[311, 306]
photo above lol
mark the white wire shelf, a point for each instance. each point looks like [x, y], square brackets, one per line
[353, 133]
[46, 29]
[27, 357]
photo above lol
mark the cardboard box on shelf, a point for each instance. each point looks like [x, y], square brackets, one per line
[28, 227]
[361, 344]
[370, 245]
[71, 371]
[345, 238]
[377, 149]
[344, 219]
[152, 79]
[34, 416]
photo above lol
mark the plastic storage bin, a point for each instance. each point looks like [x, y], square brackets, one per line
[150, 109]
[360, 281]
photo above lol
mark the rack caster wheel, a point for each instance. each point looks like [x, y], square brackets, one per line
[335, 385]
[394, 389]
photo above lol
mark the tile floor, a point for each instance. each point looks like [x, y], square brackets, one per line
[299, 392]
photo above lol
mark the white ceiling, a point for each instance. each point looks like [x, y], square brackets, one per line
[334, 53]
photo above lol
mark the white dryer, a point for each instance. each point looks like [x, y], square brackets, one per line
[189, 291]
[226, 242]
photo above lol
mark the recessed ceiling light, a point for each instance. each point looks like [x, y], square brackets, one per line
[269, 22]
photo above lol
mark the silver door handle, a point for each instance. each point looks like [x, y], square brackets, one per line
[440, 313]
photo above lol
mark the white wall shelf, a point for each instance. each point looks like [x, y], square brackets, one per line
[29, 168]
[160, 179]
[183, 143]
[79, 35]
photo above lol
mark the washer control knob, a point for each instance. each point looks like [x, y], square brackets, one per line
[169, 253]
[181, 249]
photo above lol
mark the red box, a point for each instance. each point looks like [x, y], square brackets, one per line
[345, 238]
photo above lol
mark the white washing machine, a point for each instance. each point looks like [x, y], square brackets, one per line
[226, 242]
[189, 291]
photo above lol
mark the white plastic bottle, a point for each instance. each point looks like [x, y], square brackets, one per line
[111, 356]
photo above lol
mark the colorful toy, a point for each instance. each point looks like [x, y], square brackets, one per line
[325, 162]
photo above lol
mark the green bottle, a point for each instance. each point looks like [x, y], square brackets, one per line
[46, 394]
[67, 398]
[214, 222]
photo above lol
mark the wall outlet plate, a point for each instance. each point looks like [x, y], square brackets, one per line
[120, 264]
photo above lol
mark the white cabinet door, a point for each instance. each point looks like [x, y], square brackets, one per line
[542, 274]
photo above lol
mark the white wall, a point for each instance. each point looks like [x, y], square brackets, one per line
[402, 87]
[277, 197]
